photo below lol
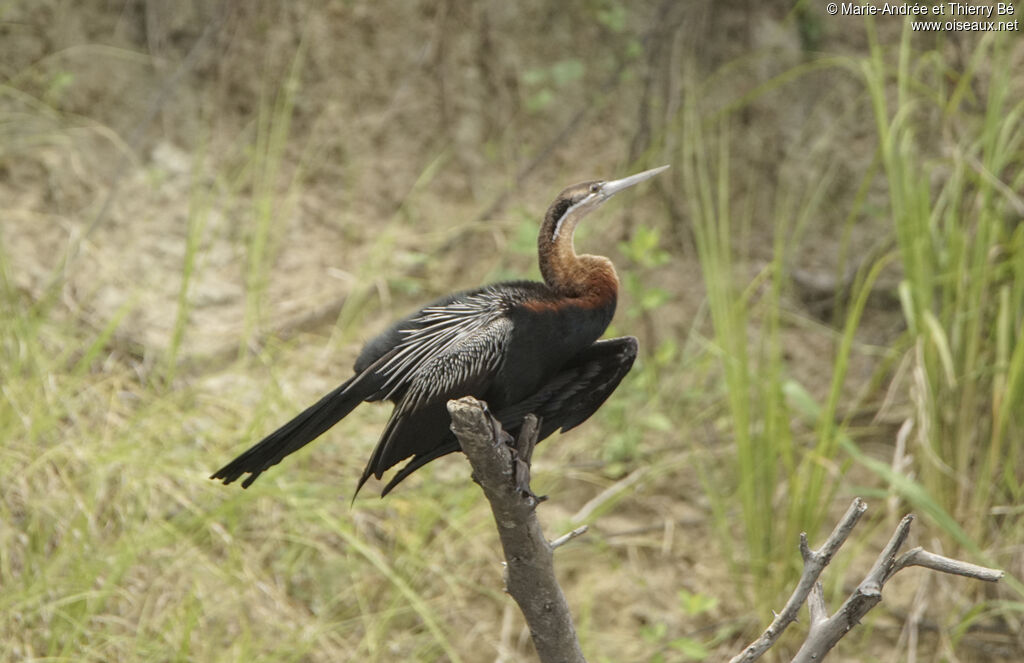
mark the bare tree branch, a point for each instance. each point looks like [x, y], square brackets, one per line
[530, 576]
[816, 604]
[815, 562]
[921, 557]
[824, 634]
[826, 631]
[569, 536]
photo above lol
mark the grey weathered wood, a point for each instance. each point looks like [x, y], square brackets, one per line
[815, 562]
[824, 633]
[530, 572]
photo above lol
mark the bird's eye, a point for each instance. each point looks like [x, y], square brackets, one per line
[595, 187]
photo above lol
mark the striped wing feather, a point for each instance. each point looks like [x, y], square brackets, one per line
[447, 351]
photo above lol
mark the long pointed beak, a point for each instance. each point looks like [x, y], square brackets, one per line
[609, 189]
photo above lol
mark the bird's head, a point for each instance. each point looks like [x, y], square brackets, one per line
[578, 200]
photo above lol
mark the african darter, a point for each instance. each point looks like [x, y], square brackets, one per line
[521, 346]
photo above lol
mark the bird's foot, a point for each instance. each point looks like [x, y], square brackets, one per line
[522, 455]
[522, 479]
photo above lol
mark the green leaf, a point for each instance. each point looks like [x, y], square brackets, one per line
[654, 632]
[690, 648]
[694, 604]
[612, 17]
[659, 422]
[566, 71]
[539, 101]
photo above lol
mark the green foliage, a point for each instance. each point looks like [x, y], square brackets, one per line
[611, 14]
[643, 250]
[58, 87]
[544, 83]
[198, 207]
[116, 547]
[523, 240]
[683, 648]
[758, 414]
[694, 604]
[641, 411]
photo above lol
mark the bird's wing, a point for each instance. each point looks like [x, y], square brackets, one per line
[447, 348]
[577, 390]
[302, 429]
[448, 351]
[565, 401]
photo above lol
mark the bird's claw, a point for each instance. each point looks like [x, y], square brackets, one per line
[522, 450]
[500, 434]
[522, 480]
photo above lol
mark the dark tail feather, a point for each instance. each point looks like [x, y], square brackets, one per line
[297, 433]
[408, 434]
[418, 461]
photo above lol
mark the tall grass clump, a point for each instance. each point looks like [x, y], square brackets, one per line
[757, 458]
[956, 215]
[952, 172]
[114, 545]
[262, 174]
[780, 492]
[783, 480]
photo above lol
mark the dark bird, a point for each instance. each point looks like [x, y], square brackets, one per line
[523, 347]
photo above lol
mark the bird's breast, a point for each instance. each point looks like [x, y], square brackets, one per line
[544, 337]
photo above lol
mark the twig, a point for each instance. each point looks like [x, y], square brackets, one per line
[530, 573]
[816, 604]
[608, 493]
[569, 536]
[921, 557]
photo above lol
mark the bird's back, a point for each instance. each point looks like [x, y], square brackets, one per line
[540, 331]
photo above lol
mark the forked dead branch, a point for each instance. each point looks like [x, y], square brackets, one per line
[501, 467]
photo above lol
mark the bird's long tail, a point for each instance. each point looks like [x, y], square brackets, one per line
[310, 424]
